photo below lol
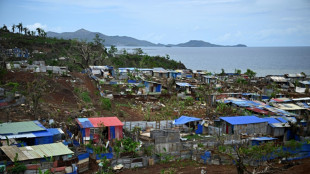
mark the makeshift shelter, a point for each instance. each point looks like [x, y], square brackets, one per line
[30, 132]
[243, 124]
[36, 152]
[187, 120]
[112, 128]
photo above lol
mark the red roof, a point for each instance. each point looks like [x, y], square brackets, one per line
[258, 111]
[106, 121]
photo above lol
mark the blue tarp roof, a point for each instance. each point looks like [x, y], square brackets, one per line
[263, 138]
[185, 119]
[272, 120]
[42, 134]
[242, 120]
[53, 131]
[86, 124]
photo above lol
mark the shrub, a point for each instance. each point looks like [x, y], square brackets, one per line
[85, 97]
[106, 103]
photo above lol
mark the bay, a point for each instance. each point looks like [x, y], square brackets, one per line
[263, 60]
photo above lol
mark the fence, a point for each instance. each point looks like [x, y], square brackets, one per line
[164, 124]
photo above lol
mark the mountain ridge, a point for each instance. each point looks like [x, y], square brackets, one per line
[83, 34]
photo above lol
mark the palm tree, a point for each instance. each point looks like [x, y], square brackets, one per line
[20, 27]
[25, 30]
[13, 27]
[28, 33]
[39, 31]
[33, 33]
[43, 33]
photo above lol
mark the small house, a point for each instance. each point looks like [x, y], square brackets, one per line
[184, 87]
[34, 153]
[160, 73]
[29, 132]
[243, 124]
[152, 87]
[209, 79]
[191, 122]
[93, 128]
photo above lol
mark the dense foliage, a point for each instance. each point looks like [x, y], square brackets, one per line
[50, 49]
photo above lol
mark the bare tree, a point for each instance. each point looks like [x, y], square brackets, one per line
[36, 90]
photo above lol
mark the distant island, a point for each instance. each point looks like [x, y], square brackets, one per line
[83, 34]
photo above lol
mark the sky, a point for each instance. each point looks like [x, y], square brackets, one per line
[226, 22]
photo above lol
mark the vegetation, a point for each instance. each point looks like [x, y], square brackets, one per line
[81, 54]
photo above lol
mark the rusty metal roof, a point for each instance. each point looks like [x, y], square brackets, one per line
[36, 152]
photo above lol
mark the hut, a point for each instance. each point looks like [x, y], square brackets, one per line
[111, 128]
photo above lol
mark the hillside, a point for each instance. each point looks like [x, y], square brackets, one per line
[49, 49]
[200, 43]
[83, 34]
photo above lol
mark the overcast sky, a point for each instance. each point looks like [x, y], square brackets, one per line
[250, 22]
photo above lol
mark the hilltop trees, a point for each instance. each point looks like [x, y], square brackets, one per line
[20, 27]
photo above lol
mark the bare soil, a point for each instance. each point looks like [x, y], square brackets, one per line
[191, 167]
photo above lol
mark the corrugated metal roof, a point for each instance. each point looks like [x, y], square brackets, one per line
[183, 84]
[242, 120]
[107, 121]
[36, 152]
[96, 122]
[19, 127]
[27, 135]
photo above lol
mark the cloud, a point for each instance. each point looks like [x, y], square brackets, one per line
[229, 37]
[297, 30]
[36, 25]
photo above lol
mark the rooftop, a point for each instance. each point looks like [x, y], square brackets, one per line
[36, 152]
[19, 127]
[236, 120]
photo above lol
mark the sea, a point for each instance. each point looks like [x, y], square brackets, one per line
[262, 60]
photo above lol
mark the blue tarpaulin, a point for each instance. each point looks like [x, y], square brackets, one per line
[83, 156]
[107, 155]
[185, 119]
[235, 120]
[199, 129]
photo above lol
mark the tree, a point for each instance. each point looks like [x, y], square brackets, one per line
[138, 51]
[85, 54]
[205, 94]
[112, 50]
[20, 27]
[4, 28]
[223, 72]
[39, 31]
[13, 27]
[238, 71]
[98, 41]
[25, 30]
[264, 155]
[250, 73]
[36, 90]
[33, 33]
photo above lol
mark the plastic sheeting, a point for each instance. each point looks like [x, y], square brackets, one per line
[185, 119]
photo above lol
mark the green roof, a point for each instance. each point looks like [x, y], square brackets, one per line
[36, 152]
[19, 127]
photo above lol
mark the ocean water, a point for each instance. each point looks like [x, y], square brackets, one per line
[263, 60]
